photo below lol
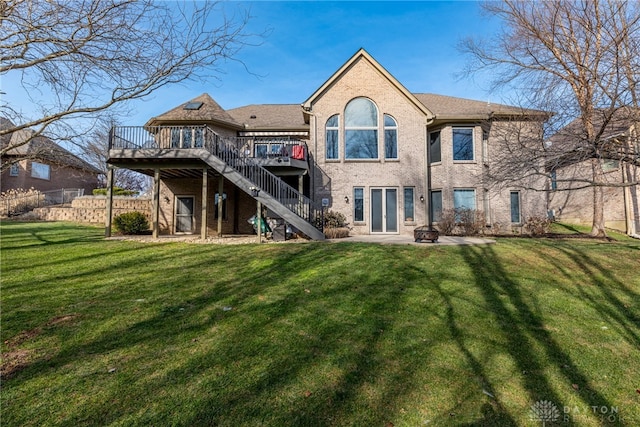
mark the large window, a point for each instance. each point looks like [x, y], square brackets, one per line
[463, 144]
[332, 132]
[390, 137]
[409, 204]
[435, 205]
[361, 129]
[358, 204]
[515, 207]
[40, 171]
[435, 150]
[464, 198]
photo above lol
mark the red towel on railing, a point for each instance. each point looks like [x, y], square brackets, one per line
[297, 152]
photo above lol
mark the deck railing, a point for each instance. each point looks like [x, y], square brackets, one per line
[237, 152]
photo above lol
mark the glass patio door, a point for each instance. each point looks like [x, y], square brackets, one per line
[184, 214]
[384, 210]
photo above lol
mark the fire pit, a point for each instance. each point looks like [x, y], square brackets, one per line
[425, 233]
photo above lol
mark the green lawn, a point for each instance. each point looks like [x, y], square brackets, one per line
[99, 332]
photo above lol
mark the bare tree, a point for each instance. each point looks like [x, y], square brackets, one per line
[579, 59]
[95, 150]
[78, 58]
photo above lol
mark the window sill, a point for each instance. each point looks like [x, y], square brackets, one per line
[464, 162]
[436, 163]
[362, 160]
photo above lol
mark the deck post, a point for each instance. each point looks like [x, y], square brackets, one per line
[156, 203]
[259, 221]
[220, 203]
[205, 192]
[109, 201]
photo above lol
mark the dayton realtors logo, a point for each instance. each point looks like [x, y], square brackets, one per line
[544, 411]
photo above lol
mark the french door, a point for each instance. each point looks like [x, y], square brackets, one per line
[384, 210]
[184, 214]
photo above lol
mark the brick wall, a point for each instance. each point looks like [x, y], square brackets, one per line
[91, 209]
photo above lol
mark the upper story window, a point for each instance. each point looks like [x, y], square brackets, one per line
[435, 148]
[463, 144]
[390, 137]
[15, 169]
[40, 171]
[361, 129]
[332, 131]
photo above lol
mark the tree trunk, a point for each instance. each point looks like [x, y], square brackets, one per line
[597, 228]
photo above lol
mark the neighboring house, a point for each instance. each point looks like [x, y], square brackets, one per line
[571, 196]
[362, 145]
[43, 165]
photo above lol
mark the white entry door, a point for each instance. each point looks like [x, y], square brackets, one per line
[384, 210]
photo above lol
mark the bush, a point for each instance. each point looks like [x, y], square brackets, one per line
[117, 191]
[334, 219]
[470, 221]
[462, 221]
[131, 223]
[537, 225]
[447, 222]
[336, 232]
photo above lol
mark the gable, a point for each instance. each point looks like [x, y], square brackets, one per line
[201, 109]
[361, 68]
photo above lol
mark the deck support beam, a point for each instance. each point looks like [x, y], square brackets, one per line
[220, 203]
[155, 214]
[205, 193]
[109, 207]
[259, 220]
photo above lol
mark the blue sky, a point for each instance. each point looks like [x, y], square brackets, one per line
[308, 41]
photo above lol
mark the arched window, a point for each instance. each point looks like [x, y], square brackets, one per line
[332, 131]
[361, 129]
[390, 137]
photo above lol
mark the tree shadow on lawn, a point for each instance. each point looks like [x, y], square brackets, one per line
[524, 329]
[301, 354]
[46, 233]
[596, 288]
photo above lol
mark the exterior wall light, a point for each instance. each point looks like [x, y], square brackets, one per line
[346, 199]
[421, 199]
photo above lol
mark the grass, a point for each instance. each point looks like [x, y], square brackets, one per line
[99, 332]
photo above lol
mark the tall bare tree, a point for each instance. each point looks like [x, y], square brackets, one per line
[579, 59]
[78, 58]
[95, 150]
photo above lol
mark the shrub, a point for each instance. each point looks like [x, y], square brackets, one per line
[117, 191]
[537, 225]
[462, 221]
[333, 219]
[447, 222]
[336, 232]
[470, 221]
[131, 223]
[18, 200]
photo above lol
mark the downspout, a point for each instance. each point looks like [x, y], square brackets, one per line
[312, 175]
[427, 156]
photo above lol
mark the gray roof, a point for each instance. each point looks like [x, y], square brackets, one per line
[449, 107]
[270, 116]
[290, 116]
[43, 148]
[210, 111]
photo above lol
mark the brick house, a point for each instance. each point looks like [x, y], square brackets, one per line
[43, 165]
[570, 198]
[361, 144]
